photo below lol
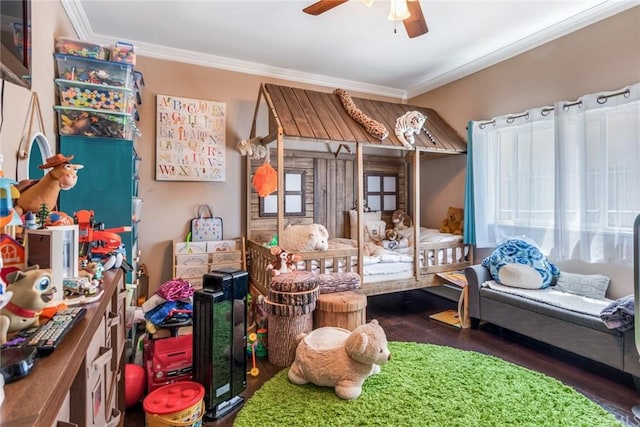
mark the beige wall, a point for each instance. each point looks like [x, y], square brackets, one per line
[601, 55]
[604, 56]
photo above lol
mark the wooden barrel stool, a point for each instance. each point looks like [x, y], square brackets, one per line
[346, 310]
[289, 305]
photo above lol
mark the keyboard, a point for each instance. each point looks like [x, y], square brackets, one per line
[46, 338]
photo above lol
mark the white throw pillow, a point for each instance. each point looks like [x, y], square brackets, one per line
[374, 231]
[366, 217]
[520, 276]
[588, 285]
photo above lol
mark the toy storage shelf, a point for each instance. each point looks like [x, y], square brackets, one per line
[192, 260]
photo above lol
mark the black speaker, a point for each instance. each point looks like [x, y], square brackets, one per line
[219, 339]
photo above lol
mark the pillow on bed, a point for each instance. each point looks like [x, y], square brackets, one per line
[374, 231]
[587, 285]
[366, 217]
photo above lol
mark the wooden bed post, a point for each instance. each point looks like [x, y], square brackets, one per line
[280, 150]
[416, 213]
[360, 199]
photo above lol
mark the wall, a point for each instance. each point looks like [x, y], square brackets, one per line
[604, 56]
[48, 21]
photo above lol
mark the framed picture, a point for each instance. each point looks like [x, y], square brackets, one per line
[190, 139]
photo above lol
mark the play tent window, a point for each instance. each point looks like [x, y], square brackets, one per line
[381, 192]
[294, 196]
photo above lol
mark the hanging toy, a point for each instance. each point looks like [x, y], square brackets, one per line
[265, 179]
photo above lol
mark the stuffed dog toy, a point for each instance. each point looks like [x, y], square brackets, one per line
[32, 290]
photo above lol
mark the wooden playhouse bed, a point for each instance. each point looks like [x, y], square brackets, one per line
[324, 262]
[305, 116]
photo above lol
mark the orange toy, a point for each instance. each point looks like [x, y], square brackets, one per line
[265, 180]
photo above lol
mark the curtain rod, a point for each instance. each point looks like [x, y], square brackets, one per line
[546, 110]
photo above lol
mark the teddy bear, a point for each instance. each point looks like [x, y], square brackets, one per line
[401, 220]
[32, 289]
[335, 357]
[285, 261]
[454, 221]
[305, 237]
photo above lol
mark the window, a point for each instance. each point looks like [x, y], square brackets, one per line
[381, 192]
[294, 196]
[564, 177]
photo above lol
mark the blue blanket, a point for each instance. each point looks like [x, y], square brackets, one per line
[619, 314]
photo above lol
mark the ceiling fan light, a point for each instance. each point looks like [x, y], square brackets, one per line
[398, 10]
[368, 3]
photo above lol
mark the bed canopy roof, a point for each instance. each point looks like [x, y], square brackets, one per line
[319, 116]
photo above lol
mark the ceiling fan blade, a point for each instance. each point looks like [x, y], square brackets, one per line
[322, 6]
[415, 24]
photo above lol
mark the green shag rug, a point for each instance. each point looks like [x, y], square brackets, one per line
[429, 385]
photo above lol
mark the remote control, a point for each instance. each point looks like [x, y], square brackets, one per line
[48, 336]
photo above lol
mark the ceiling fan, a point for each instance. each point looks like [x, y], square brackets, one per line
[407, 11]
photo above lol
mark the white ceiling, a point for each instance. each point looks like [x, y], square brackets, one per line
[351, 46]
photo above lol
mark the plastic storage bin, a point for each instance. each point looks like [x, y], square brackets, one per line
[95, 96]
[94, 71]
[123, 52]
[88, 122]
[80, 48]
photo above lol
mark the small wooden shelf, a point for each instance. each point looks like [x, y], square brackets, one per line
[192, 260]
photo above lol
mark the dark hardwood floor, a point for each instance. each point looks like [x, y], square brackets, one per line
[405, 317]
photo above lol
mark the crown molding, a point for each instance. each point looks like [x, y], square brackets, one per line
[567, 26]
[439, 78]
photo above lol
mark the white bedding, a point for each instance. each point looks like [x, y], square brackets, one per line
[384, 263]
[560, 299]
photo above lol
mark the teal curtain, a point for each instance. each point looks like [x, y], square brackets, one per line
[469, 208]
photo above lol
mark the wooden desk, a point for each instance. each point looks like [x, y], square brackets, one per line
[43, 397]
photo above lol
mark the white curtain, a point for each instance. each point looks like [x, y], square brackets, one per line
[597, 176]
[513, 170]
[566, 177]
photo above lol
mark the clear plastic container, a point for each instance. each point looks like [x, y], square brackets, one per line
[94, 71]
[123, 52]
[95, 96]
[94, 123]
[136, 209]
[81, 48]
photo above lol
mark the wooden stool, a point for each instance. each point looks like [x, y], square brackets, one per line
[342, 309]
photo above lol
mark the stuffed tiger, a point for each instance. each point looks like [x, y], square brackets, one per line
[408, 124]
[372, 127]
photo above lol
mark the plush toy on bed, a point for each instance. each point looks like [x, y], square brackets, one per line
[394, 240]
[285, 261]
[520, 264]
[305, 237]
[454, 222]
[400, 220]
[336, 357]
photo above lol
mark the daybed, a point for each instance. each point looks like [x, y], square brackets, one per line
[328, 146]
[579, 333]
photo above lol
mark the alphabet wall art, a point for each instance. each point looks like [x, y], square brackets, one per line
[190, 139]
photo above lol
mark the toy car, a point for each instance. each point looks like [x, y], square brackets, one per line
[74, 286]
